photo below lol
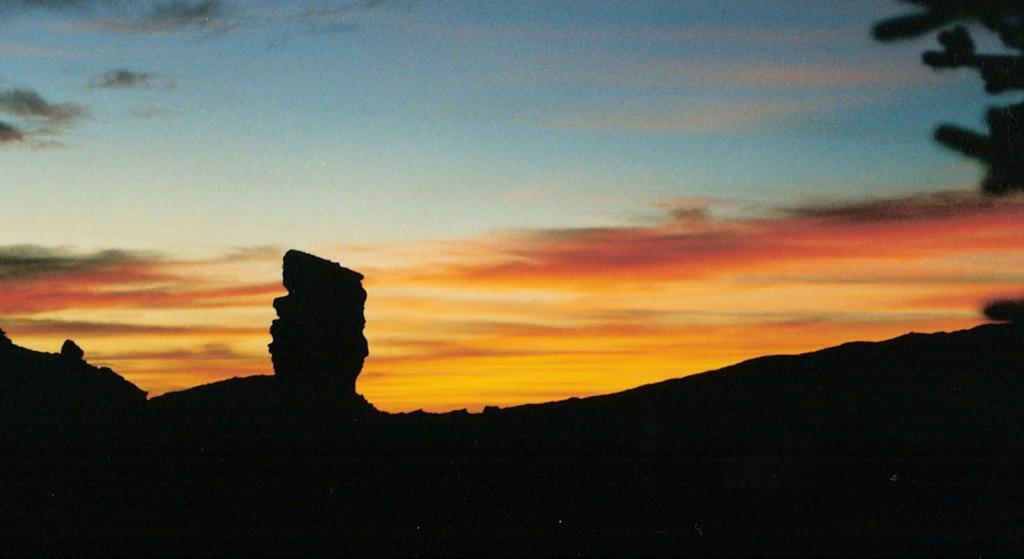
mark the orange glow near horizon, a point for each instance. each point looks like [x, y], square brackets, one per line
[535, 316]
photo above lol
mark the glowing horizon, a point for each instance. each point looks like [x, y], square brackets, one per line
[536, 315]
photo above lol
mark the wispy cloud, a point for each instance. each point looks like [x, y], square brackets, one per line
[687, 115]
[14, 6]
[16, 49]
[682, 95]
[793, 75]
[622, 71]
[148, 111]
[204, 351]
[931, 206]
[173, 17]
[37, 120]
[10, 134]
[41, 279]
[27, 261]
[29, 104]
[668, 33]
[55, 327]
[47, 4]
[259, 253]
[340, 17]
[187, 17]
[123, 78]
[694, 244]
[117, 288]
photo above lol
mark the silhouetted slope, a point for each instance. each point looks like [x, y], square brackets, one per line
[67, 429]
[47, 395]
[947, 390]
[251, 409]
[239, 405]
[912, 445]
[908, 446]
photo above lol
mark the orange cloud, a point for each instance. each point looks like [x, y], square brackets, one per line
[625, 71]
[777, 75]
[688, 115]
[54, 327]
[693, 245]
[138, 284]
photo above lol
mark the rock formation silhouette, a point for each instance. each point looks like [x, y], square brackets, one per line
[70, 351]
[318, 344]
[317, 351]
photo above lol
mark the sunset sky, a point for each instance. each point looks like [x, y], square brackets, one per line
[547, 198]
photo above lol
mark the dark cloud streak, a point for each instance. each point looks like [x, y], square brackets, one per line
[36, 326]
[123, 78]
[23, 261]
[935, 205]
[27, 103]
[174, 17]
[36, 119]
[55, 5]
[207, 351]
[1005, 310]
[10, 134]
[338, 17]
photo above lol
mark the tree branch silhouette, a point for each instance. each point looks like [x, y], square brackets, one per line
[1000, 149]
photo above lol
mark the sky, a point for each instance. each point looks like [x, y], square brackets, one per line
[547, 198]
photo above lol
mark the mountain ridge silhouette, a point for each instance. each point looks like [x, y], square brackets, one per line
[912, 445]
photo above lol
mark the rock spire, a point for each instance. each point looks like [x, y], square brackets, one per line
[318, 345]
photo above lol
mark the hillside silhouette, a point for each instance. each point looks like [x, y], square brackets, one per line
[909, 446]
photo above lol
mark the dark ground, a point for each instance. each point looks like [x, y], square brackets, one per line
[914, 446]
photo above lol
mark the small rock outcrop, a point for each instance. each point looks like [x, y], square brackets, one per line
[71, 351]
[318, 346]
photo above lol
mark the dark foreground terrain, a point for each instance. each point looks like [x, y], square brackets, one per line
[913, 446]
